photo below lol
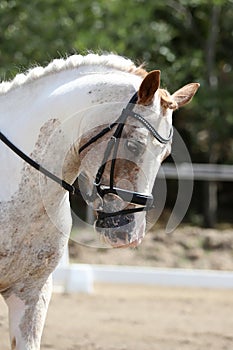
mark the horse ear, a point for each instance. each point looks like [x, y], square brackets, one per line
[148, 87]
[185, 94]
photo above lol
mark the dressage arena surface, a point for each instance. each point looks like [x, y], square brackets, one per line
[121, 317]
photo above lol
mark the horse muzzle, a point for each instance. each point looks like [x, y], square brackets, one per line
[118, 230]
[116, 221]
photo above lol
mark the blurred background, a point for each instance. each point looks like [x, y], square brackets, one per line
[188, 40]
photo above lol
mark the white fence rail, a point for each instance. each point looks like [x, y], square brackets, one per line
[204, 172]
[81, 277]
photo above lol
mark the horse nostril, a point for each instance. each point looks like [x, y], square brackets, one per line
[113, 203]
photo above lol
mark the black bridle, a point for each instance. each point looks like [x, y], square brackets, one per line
[145, 202]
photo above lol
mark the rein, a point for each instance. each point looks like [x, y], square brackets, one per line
[70, 188]
[144, 201]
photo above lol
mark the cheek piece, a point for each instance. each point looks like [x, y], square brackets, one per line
[142, 201]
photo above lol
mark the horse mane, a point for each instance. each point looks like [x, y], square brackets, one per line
[75, 61]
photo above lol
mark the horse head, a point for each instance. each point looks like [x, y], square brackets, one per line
[119, 162]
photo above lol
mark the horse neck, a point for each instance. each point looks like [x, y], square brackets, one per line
[31, 114]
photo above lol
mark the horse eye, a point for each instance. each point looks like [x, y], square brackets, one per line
[135, 147]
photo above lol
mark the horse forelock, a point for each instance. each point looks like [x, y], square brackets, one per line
[75, 61]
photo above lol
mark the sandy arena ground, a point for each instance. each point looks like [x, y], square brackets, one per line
[118, 317]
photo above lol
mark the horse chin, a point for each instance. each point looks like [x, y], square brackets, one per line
[120, 231]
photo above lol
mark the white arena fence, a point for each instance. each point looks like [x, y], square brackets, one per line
[71, 278]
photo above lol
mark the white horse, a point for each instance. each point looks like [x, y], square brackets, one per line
[46, 113]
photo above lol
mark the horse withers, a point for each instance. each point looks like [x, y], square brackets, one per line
[63, 117]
